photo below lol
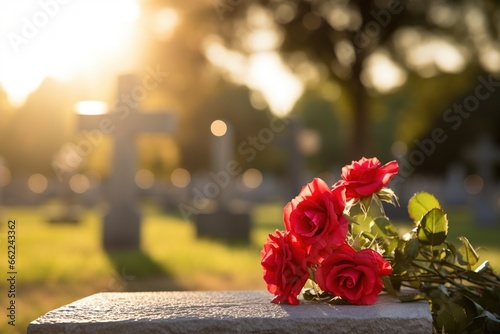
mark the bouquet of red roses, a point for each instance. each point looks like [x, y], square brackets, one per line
[347, 250]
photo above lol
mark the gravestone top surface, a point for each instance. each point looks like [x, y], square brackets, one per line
[228, 312]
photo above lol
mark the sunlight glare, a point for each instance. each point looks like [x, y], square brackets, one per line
[233, 62]
[180, 177]
[280, 88]
[429, 53]
[164, 23]
[252, 178]
[259, 17]
[443, 14]
[338, 17]
[91, 107]
[144, 179]
[260, 40]
[79, 183]
[218, 128]
[490, 57]
[63, 40]
[263, 72]
[38, 183]
[383, 74]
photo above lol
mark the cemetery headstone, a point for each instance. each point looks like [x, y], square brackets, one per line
[454, 193]
[294, 165]
[67, 211]
[288, 142]
[226, 221]
[121, 227]
[485, 156]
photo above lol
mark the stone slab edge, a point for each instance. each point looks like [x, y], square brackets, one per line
[227, 312]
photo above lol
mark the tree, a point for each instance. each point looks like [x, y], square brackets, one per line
[373, 47]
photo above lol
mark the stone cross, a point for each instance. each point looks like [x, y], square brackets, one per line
[121, 228]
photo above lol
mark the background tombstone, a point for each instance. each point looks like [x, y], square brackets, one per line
[485, 156]
[121, 228]
[454, 193]
[67, 211]
[295, 164]
[289, 142]
[226, 220]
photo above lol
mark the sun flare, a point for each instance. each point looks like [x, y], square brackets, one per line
[63, 39]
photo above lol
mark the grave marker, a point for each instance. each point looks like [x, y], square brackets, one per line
[485, 156]
[67, 211]
[226, 221]
[121, 227]
[454, 192]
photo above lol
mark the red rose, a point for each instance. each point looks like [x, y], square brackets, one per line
[315, 217]
[285, 270]
[354, 276]
[364, 177]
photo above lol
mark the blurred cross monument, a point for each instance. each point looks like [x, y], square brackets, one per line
[121, 228]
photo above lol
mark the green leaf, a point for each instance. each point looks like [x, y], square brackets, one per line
[453, 252]
[466, 253]
[388, 285]
[459, 315]
[365, 203]
[433, 228]
[392, 245]
[387, 195]
[384, 227]
[492, 323]
[362, 224]
[470, 307]
[445, 319]
[486, 322]
[420, 204]
[411, 248]
[411, 296]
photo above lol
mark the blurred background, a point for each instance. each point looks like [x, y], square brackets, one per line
[249, 100]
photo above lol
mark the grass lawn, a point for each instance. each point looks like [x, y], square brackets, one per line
[59, 263]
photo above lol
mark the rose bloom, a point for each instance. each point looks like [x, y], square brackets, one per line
[365, 177]
[354, 276]
[285, 270]
[315, 217]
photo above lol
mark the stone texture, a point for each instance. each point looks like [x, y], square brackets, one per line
[227, 312]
